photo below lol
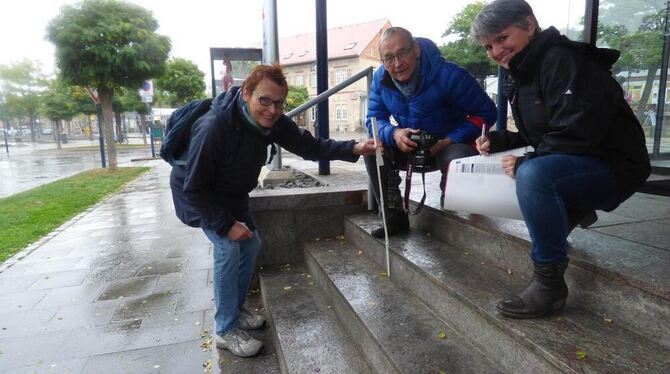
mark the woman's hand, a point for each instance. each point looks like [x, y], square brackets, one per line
[239, 231]
[508, 163]
[366, 148]
[483, 145]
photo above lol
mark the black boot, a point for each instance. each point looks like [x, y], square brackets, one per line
[545, 293]
[397, 222]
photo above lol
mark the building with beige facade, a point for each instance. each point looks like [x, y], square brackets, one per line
[351, 49]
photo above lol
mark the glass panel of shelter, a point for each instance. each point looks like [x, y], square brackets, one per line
[636, 28]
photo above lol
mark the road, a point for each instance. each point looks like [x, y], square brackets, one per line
[30, 165]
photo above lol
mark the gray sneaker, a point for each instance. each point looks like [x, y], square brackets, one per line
[239, 343]
[250, 321]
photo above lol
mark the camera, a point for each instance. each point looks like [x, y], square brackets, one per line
[420, 157]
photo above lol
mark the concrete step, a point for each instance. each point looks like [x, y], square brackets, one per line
[462, 286]
[394, 331]
[308, 337]
[609, 274]
[264, 363]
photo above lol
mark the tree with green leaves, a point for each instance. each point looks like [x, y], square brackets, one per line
[640, 49]
[462, 51]
[22, 85]
[181, 83]
[107, 44]
[58, 104]
[297, 95]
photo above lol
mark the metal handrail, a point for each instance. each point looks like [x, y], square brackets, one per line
[367, 72]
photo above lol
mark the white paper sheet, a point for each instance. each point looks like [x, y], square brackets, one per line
[478, 184]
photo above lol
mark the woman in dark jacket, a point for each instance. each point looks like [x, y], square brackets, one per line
[590, 150]
[227, 149]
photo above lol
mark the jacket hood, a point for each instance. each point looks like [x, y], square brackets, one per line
[525, 61]
[431, 60]
[224, 104]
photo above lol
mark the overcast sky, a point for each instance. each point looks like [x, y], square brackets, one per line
[195, 25]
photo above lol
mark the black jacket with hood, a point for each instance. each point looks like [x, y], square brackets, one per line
[225, 156]
[565, 100]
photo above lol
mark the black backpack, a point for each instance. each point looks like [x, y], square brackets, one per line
[178, 130]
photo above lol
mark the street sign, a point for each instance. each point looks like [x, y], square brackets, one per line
[93, 93]
[147, 91]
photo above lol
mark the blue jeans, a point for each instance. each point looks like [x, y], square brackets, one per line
[234, 265]
[547, 186]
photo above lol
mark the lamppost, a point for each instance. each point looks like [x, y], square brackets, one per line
[5, 122]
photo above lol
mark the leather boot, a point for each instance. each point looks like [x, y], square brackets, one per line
[545, 293]
[397, 222]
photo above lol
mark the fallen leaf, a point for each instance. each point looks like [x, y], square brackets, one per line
[384, 274]
[157, 366]
[208, 366]
[442, 371]
[509, 271]
[607, 320]
[360, 253]
[331, 251]
[287, 288]
[442, 335]
[580, 355]
[466, 253]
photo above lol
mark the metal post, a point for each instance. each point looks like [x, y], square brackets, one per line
[271, 55]
[501, 102]
[151, 131]
[660, 103]
[4, 130]
[591, 21]
[322, 76]
[372, 203]
[101, 136]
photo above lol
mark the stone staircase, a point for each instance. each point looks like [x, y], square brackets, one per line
[339, 312]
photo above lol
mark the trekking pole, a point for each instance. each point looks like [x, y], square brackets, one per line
[380, 162]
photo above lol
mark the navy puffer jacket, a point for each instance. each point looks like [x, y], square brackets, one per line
[446, 97]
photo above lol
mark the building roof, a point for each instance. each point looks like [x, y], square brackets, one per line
[344, 41]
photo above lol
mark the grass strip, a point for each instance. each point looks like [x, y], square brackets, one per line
[29, 215]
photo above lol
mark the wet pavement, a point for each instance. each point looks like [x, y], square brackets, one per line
[125, 287]
[29, 165]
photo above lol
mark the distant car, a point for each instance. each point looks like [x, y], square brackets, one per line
[47, 131]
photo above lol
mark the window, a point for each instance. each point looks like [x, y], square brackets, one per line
[312, 114]
[299, 79]
[341, 113]
[341, 75]
[312, 79]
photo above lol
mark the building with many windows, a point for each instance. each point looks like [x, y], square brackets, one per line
[351, 49]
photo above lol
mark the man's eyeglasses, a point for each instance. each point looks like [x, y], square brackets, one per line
[402, 55]
[266, 101]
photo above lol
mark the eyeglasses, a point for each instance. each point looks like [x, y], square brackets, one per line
[402, 55]
[266, 101]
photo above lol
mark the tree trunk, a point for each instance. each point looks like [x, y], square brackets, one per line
[106, 95]
[90, 127]
[57, 134]
[644, 99]
[143, 130]
[117, 124]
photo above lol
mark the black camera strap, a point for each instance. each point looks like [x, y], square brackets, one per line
[408, 187]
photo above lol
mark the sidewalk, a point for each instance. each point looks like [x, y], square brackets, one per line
[126, 288]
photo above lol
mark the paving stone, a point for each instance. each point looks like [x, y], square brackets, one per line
[20, 301]
[72, 317]
[85, 293]
[129, 288]
[183, 280]
[137, 361]
[144, 306]
[61, 279]
[16, 284]
[25, 323]
[163, 266]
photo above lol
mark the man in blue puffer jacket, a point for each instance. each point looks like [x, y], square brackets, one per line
[422, 92]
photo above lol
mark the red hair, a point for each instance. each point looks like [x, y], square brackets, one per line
[272, 72]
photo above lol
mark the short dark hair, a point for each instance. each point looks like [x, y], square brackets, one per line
[272, 72]
[499, 15]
